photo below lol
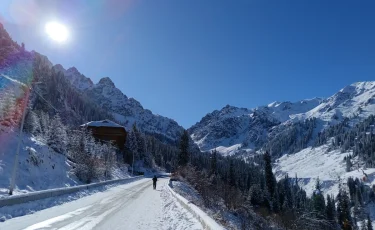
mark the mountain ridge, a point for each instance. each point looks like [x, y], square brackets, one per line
[232, 129]
[125, 110]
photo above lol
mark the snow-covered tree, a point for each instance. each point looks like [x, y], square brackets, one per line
[57, 136]
[44, 124]
[32, 123]
[108, 152]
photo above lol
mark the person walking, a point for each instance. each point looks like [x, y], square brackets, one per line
[154, 181]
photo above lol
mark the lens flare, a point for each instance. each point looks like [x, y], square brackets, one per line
[57, 32]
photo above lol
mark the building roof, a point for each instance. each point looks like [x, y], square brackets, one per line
[104, 123]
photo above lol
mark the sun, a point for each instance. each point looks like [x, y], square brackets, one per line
[57, 31]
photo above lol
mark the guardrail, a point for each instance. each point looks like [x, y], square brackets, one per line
[207, 222]
[33, 196]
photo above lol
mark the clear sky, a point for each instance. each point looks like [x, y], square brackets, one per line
[185, 58]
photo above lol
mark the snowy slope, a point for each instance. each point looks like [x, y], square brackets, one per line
[233, 129]
[322, 162]
[39, 166]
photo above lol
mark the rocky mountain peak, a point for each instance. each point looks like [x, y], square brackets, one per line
[73, 70]
[106, 81]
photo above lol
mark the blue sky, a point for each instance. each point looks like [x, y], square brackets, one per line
[185, 58]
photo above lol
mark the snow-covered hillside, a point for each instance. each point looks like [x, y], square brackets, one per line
[324, 163]
[39, 166]
[233, 129]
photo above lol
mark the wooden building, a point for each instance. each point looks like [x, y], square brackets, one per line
[107, 130]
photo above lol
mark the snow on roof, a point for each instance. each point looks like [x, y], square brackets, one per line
[104, 123]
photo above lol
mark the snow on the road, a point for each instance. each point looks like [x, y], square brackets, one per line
[175, 215]
[131, 206]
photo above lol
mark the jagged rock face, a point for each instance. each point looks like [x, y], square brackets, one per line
[128, 110]
[77, 79]
[233, 129]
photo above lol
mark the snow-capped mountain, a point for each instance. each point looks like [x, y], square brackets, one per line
[354, 101]
[125, 110]
[232, 129]
[128, 110]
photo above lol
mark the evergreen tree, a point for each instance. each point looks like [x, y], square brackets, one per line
[330, 209]
[213, 168]
[270, 178]
[231, 179]
[369, 223]
[343, 210]
[131, 145]
[183, 158]
[44, 124]
[32, 123]
[275, 202]
[256, 195]
[57, 136]
[318, 201]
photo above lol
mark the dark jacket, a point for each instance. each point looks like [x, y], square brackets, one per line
[154, 179]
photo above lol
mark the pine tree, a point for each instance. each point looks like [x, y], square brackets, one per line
[44, 124]
[343, 210]
[330, 209]
[32, 123]
[231, 179]
[183, 158]
[256, 195]
[57, 137]
[318, 201]
[369, 223]
[108, 151]
[270, 178]
[132, 145]
[213, 168]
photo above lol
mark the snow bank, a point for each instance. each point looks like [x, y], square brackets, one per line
[206, 221]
